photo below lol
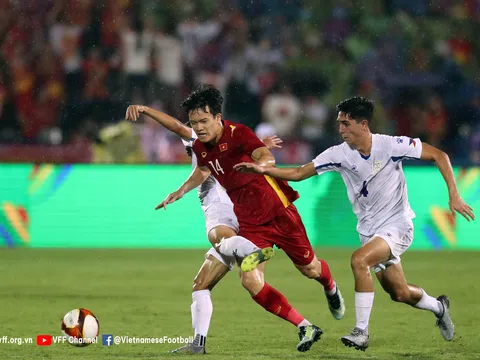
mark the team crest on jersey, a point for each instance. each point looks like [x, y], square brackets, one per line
[412, 143]
[377, 165]
[204, 154]
[223, 147]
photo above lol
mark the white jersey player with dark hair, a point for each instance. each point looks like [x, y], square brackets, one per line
[371, 167]
[220, 221]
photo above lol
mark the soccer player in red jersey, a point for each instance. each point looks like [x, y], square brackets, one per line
[264, 208]
[220, 222]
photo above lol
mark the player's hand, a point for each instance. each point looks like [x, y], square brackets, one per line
[272, 142]
[134, 111]
[171, 198]
[247, 167]
[457, 204]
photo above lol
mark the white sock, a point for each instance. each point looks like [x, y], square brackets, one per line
[202, 310]
[429, 303]
[236, 245]
[363, 308]
[304, 322]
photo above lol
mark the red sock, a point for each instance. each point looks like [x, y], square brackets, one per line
[273, 301]
[325, 277]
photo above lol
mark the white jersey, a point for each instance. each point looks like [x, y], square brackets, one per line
[210, 192]
[375, 184]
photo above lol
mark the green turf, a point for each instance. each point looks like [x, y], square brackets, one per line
[147, 294]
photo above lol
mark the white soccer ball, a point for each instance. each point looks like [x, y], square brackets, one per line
[80, 327]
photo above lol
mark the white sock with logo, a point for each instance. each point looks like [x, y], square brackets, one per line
[202, 310]
[363, 308]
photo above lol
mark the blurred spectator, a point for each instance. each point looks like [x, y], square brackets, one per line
[435, 121]
[137, 49]
[282, 110]
[71, 67]
[314, 122]
[168, 64]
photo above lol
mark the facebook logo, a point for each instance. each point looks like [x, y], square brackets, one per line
[107, 339]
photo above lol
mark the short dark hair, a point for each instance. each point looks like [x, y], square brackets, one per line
[204, 95]
[358, 108]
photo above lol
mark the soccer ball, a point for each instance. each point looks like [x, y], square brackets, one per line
[80, 327]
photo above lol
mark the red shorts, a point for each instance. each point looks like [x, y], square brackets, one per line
[286, 231]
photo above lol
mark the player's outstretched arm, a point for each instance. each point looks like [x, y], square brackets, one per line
[456, 203]
[196, 178]
[172, 124]
[290, 174]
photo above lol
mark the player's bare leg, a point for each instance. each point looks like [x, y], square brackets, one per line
[228, 243]
[394, 283]
[274, 302]
[374, 252]
[320, 271]
[210, 273]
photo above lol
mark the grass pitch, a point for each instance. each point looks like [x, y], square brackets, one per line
[147, 293]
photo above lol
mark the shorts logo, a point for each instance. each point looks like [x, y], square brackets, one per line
[204, 154]
[412, 143]
[223, 147]
[307, 254]
[277, 311]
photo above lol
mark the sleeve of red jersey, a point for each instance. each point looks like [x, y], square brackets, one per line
[249, 141]
[197, 151]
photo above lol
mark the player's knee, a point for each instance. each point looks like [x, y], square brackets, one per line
[400, 295]
[358, 261]
[220, 232]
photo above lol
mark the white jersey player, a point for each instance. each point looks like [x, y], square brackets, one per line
[216, 206]
[221, 223]
[371, 167]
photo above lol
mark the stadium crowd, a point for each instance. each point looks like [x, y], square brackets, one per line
[69, 69]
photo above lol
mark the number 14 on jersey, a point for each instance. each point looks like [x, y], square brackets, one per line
[216, 167]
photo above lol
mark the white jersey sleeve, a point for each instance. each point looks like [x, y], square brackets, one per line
[189, 143]
[404, 147]
[329, 160]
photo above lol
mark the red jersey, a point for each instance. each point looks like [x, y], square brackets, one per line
[257, 199]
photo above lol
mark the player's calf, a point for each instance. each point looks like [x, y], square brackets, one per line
[320, 271]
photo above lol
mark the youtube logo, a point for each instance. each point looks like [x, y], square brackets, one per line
[44, 340]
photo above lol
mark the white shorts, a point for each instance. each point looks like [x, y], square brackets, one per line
[228, 261]
[220, 214]
[399, 237]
